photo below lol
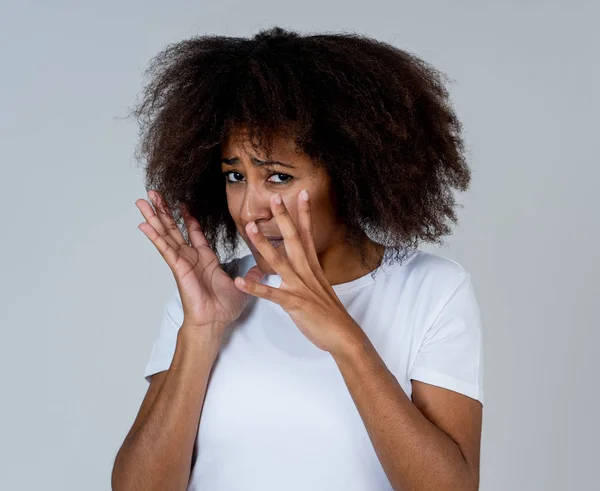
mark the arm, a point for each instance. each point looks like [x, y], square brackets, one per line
[157, 452]
[431, 444]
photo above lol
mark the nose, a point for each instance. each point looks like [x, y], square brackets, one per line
[256, 205]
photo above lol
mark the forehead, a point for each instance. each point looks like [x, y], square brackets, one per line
[237, 144]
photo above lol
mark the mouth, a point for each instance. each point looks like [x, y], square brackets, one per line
[274, 241]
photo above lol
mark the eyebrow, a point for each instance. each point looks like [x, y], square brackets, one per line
[257, 162]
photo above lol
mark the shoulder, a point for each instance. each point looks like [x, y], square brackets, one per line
[430, 270]
[426, 281]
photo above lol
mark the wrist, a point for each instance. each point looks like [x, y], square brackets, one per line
[355, 344]
[206, 334]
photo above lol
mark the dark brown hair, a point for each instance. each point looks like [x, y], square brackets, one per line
[377, 118]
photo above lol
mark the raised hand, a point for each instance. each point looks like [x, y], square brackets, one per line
[305, 293]
[208, 294]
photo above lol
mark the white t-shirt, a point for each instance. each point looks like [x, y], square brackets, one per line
[278, 414]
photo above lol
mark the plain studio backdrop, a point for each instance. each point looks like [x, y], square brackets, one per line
[83, 289]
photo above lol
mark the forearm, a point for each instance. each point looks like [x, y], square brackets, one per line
[158, 455]
[414, 453]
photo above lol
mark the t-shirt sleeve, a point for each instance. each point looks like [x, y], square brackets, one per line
[163, 349]
[451, 352]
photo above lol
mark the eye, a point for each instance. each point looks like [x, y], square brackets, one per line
[228, 173]
[286, 178]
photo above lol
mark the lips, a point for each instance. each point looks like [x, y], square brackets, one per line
[276, 242]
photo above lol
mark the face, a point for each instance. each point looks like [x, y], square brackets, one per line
[250, 183]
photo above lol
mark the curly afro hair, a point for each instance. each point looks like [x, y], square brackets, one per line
[377, 118]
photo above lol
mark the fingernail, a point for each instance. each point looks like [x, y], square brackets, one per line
[278, 198]
[304, 194]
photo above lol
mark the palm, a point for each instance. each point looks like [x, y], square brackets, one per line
[207, 292]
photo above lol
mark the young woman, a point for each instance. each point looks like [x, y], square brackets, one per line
[349, 359]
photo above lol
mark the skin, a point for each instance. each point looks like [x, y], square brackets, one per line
[249, 188]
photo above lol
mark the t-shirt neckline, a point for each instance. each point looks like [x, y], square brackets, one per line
[352, 285]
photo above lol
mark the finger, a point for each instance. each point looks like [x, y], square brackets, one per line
[291, 237]
[166, 218]
[254, 274]
[153, 220]
[275, 295]
[164, 248]
[197, 237]
[281, 265]
[307, 234]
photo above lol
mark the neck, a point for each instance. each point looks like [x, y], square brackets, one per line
[342, 264]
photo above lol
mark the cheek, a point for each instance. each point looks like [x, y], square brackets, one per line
[321, 226]
[326, 215]
[232, 205]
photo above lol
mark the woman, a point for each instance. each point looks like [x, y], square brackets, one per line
[349, 360]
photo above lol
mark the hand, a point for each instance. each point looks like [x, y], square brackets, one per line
[208, 294]
[304, 293]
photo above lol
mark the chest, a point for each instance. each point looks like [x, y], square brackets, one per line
[278, 406]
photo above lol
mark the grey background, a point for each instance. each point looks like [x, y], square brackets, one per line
[83, 289]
